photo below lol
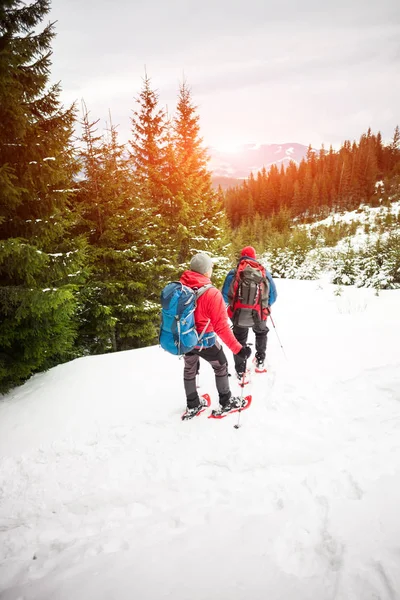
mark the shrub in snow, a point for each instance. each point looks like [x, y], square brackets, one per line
[309, 268]
[345, 267]
[292, 264]
[284, 263]
[379, 264]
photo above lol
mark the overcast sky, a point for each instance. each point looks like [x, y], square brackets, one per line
[308, 71]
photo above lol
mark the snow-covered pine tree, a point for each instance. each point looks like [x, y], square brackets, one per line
[151, 162]
[116, 312]
[379, 263]
[202, 220]
[38, 265]
[345, 267]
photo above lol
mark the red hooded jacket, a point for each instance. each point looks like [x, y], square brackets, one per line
[211, 305]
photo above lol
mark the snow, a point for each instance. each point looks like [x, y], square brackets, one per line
[105, 493]
[57, 254]
[363, 216]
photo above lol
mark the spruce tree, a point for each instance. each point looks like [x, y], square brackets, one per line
[116, 313]
[202, 221]
[38, 266]
[150, 160]
[394, 152]
[148, 147]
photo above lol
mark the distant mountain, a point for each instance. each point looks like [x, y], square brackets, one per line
[225, 182]
[250, 158]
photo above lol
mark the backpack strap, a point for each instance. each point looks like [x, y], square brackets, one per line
[200, 292]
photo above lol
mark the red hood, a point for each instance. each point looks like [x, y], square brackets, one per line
[193, 279]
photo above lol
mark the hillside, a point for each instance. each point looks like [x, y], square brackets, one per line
[360, 247]
[105, 493]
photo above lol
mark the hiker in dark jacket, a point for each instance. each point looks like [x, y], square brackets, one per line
[258, 324]
[210, 318]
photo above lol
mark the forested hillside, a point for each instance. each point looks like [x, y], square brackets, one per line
[336, 213]
[324, 181]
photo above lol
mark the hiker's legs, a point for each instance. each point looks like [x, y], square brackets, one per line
[189, 379]
[217, 359]
[240, 334]
[261, 332]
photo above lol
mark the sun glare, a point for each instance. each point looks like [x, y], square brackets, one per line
[226, 147]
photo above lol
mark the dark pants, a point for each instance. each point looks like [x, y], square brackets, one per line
[241, 333]
[217, 359]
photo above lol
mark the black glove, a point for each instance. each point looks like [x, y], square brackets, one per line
[244, 353]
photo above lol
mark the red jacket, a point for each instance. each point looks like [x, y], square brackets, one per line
[211, 306]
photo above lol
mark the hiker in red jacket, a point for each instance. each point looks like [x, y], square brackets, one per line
[211, 320]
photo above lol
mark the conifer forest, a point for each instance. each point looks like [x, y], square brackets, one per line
[91, 229]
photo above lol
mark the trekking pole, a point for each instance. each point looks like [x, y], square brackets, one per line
[280, 343]
[241, 397]
[198, 375]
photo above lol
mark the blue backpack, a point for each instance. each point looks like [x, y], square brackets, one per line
[178, 333]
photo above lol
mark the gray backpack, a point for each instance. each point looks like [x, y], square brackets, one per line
[248, 294]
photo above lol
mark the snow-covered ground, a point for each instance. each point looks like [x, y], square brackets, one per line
[105, 494]
[356, 258]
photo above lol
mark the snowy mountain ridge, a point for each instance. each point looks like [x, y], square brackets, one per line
[239, 162]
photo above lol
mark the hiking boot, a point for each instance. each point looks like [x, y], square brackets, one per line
[233, 403]
[246, 380]
[259, 361]
[192, 412]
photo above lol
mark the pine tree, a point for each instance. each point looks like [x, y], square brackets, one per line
[116, 312]
[394, 151]
[148, 148]
[152, 162]
[315, 198]
[297, 203]
[274, 183]
[38, 265]
[201, 219]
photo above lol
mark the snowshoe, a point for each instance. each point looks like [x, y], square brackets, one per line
[259, 365]
[205, 402]
[234, 405]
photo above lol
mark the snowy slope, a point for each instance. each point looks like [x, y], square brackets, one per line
[364, 216]
[105, 493]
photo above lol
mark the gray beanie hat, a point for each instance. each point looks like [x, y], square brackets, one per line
[201, 263]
